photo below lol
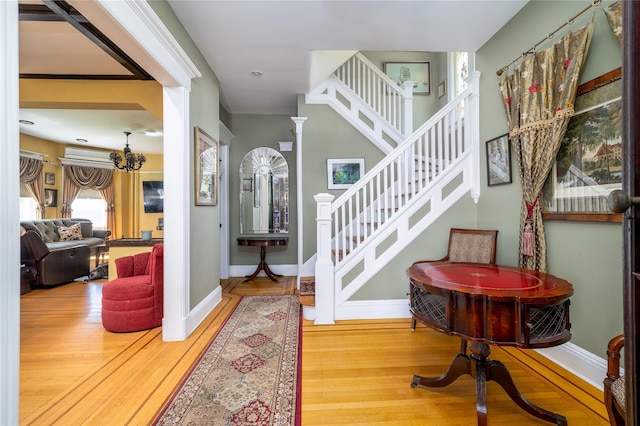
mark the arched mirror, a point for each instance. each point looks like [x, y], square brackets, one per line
[264, 192]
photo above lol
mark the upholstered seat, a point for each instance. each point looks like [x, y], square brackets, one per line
[134, 301]
[469, 245]
[614, 385]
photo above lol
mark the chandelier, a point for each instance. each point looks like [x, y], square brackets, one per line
[132, 161]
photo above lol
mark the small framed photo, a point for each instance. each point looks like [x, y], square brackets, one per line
[499, 161]
[49, 178]
[442, 89]
[344, 172]
[50, 197]
[247, 184]
[418, 72]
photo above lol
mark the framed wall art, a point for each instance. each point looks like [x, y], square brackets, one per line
[344, 172]
[499, 161]
[50, 197]
[418, 72]
[206, 169]
[442, 89]
[49, 178]
[589, 162]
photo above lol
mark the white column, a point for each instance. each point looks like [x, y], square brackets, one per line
[9, 216]
[299, 212]
[325, 287]
[407, 108]
[472, 130]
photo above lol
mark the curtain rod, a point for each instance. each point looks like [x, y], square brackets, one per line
[593, 4]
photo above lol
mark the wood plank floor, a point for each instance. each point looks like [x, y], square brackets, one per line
[357, 372]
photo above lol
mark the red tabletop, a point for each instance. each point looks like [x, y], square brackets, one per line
[496, 281]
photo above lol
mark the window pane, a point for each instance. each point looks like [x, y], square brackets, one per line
[87, 206]
[27, 208]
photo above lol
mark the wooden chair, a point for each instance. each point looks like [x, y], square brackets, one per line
[614, 386]
[468, 245]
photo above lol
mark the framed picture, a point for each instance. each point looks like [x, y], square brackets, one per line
[589, 162]
[344, 172]
[49, 178]
[418, 72]
[206, 167]
[247, 184]
[499, 161]
[50, 197]
[442, 89]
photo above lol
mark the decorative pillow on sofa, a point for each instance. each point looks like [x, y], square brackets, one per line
[70, 233]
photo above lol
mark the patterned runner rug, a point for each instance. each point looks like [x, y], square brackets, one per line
[249, 374]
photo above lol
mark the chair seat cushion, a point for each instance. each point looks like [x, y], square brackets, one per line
[136, 287]
[617, 390]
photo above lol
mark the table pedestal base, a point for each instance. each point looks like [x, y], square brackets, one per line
[262, 266]
[478, 365]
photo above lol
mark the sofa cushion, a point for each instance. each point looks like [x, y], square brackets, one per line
[87, 229]
[70, 233]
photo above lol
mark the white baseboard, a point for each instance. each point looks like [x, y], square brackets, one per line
[204, 308]
[584, 364]
[244, 270]
[373, 309]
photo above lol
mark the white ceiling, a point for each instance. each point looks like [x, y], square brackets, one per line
[237, 37]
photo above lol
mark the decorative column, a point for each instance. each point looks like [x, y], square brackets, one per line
[472, 130]
[325, 288]
[299, 212]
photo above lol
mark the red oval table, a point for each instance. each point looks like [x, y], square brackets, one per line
[490, 304]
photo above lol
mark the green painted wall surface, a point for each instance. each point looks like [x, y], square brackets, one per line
[253, 131]
[587, 254]
[204, 238]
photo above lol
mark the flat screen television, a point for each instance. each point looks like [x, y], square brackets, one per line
[153, 192]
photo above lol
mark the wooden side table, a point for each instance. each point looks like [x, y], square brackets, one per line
[263, 243]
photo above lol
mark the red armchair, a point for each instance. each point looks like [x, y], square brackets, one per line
[134, 301]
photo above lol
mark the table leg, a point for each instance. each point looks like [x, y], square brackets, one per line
[262, 266]
[479, 366]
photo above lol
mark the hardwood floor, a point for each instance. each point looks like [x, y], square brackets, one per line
[357, 372]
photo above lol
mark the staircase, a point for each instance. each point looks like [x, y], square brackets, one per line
[421, 177]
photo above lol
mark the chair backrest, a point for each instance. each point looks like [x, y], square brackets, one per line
[472, 245]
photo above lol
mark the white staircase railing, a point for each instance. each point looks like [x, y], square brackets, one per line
[371, 101]
[442, 153]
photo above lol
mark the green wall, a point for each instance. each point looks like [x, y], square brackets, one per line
[588, 254]
[253, 131]
[204, 234]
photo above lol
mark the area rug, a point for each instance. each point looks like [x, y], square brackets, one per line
[249, 374]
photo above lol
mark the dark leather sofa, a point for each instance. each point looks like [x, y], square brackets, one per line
[52, 261]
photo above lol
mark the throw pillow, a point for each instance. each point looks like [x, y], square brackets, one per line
[70, 233]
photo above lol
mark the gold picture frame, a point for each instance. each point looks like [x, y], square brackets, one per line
[206, 157]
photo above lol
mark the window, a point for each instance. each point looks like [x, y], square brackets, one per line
[90, 205]
[28, 205]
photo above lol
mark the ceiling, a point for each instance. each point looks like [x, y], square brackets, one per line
[236, 38]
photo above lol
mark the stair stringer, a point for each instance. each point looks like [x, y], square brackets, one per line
[375, 128]
[406, 233]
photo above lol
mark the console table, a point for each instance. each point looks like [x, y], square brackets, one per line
[263, 243]
[494, 304]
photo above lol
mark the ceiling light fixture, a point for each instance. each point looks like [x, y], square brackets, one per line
[81, 140]
[256, 73]
[27, 122]
[132, 162]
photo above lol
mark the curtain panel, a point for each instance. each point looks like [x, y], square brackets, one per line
[31, 176]
[77, 178]
[538, 99]
[613, 13]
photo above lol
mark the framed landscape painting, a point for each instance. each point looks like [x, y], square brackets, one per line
[418, 72]
[342, 173]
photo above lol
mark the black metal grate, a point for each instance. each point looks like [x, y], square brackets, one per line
[430, 306]
[547, 322]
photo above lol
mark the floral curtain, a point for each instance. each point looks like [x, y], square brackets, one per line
[538, 98]
[31, 176]
[614, 16]
[77, 178]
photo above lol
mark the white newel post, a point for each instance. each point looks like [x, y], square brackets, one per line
[407, 112]
[325, 288]
[472, 128]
